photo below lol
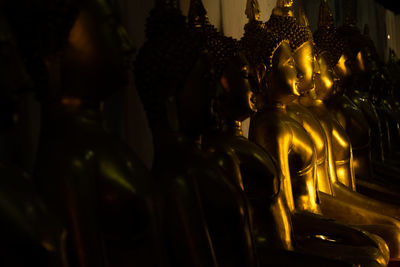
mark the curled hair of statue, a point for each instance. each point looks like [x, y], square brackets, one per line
[326, 37]
[325, 18]
[165, 60]
[349, 31]
[221, 49]
[258, 44]
[289, 28]
[303, 20]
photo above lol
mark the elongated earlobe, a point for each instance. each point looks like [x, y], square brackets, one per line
[261, 71]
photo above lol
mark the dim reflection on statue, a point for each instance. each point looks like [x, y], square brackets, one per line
[204, 216]
[29, 233]
[90, 180]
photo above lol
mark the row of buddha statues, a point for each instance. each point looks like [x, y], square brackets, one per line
[316, 183]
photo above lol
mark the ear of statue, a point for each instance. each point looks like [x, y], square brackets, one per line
[224, 83]
[261, 71]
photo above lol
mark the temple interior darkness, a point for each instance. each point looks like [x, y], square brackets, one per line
[206, 133]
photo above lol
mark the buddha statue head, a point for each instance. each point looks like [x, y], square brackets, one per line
[271, 58]
[332, 50]
[363, 54]
[173, 74]
[235, 80]
[79, 47]
[325, 78]
[301, 42]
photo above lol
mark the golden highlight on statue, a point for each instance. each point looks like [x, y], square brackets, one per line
[324, 124]
[331, 206]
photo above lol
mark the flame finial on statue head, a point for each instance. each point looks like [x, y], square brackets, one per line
[349, 18]
[197, 14]
[282, 22]
[283, 8]
[284, 3]
[252, 10]
[325, 15]
[220, 48]
[302, 15]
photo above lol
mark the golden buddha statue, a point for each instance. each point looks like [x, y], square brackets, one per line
[330, 205]
[284, 138]
[30, 236]
[344, 110]
[350, 117]
[304, 57]
[361, 55]
[204, 217]
[339, 145]
[247, 164]
[358, 90]
[382, 97]
[275, 131]
[340, 156]
[89, 179]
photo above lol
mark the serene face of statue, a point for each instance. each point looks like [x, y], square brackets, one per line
[238, 82]
[324, 80]
[304, 58]
[96, 53]
[283, 79]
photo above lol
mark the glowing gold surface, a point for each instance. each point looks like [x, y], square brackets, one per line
[342, 176]
[360, 63]
[287, 140]
[304, 58]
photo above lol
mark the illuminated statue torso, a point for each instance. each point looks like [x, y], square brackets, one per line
[339, 144]
[301, 156]
[331, 57]
[304, 58]
[316, 132]
[339, 155]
